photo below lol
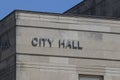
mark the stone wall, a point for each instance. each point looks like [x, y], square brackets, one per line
[99, 39]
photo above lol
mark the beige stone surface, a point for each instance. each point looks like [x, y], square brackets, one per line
[75, 23]
[95, 45]
[99, 39]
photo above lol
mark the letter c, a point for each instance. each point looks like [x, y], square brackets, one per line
[34, 42]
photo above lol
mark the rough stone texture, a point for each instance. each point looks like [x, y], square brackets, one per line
[98, 37]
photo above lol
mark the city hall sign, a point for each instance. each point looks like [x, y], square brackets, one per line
[42, 42]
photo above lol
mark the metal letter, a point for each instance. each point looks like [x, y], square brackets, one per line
[34, 42]
[43, 40]
[79, 47]
[62, 43]
[68, 44]
[75, 45]
[50, 41]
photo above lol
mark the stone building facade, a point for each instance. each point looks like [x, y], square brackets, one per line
[48, 46]
[106, 8]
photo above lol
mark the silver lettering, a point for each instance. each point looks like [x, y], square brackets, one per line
[68, 44]
[61, 43]
[44, 42]
[34, 42]
[50, 41]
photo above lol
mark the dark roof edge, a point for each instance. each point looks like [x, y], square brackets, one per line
[28, 11]
[73, 15]
[38, 12]
[74, 6]
[64, 15]
[13, 12]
